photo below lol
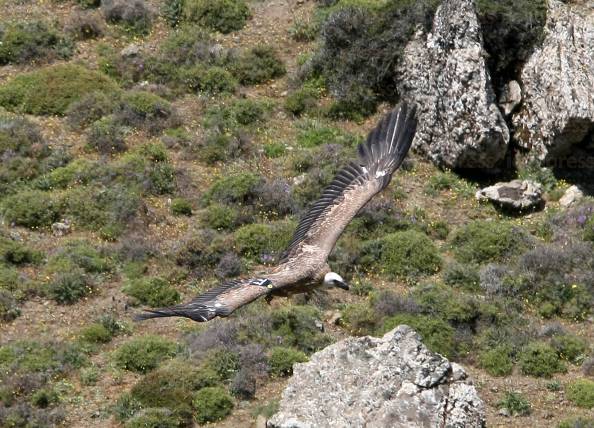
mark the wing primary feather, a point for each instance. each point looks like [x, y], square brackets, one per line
[379, 156]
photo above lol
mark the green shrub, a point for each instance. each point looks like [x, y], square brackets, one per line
[95, 333]
[220, 15]
[146, 110]
[156, 418]
[437, 334]
[220, 147]
[31, 208]
[360, 318]
[80, 254]
[181, 206]
[154, 291]
[259, 242]
[218, 216]
[71, 286]
[9, 310]
[464, 276]
[487, 241]
[408, 254]
[274, 150]
[87, 4]
[296, 328]
[515, 403]
[581, 393]
[90, 108]
[84, 25]
[577, 422]
[570, 348]
[30, 41]
[223, 362]
[133, 15]
[239, 112]
[303, 30]
[13, 252]
[107, 136]
[233, 188]
[45, 397]
[144, 354]
[314, 134]
[353, 33]
[258, 65]
[89, 376]
[172, 387]
[51, 90]
[302, 100]
[212, 404]
[282, 360]
[540, 360]
[172, 11]
[497, 361]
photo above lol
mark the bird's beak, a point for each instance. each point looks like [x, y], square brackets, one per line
[341, 284]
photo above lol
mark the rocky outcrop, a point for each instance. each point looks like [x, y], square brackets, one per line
[558, 86]
[392, 381]
[444, 72]
[516, 195]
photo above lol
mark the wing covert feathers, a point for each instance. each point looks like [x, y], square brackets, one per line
[379, 156]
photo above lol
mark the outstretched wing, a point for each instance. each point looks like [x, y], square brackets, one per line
[379, 156]
[220, 301]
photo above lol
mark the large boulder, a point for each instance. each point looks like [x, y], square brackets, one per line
[444, 72]
[558, 86]
[394, 381]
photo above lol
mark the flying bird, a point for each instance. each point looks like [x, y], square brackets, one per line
[303, 266]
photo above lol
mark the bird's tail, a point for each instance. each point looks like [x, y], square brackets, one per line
[387, 145]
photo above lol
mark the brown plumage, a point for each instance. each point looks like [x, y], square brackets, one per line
[303, 265]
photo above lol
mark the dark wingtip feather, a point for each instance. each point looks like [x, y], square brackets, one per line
[198, 313]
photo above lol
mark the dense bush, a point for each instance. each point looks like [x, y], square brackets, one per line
[85, 25]
[360, 46]
[51, 90]
[181, 206]
[134, 15]
[95, 333]
[144, 353]
[302, 100]
[570, 348]
[146, 110]
[9, 309]
[540, 360]
[581, 393]
[282, 360]
[314, 134]
[107, 136]
[296, 328]
[577, 422]
[258, 65]
[464, 276]
[233, 188]
[31, 41]
[486, 241]
[497, 361]
[31, 208]
[70, 286]
[408, 254]
[515, 403]
[220, 15]
[263, 242]
[155, 418]
[212, 404]
[90, 108]
[153, 291]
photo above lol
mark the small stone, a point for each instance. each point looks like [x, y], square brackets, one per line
[130, 51]
[504, 412]
[572, 195]
[511, 97]
[319, 325]
[517, 195]
[61, 228]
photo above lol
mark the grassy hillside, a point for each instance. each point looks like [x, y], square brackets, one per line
[178, 142]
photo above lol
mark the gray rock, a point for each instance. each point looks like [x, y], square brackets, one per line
[394, 381]
[511, 97]
[61, 228]
[131, 50]
[444, 72]
[572, 195]
[558, 83]
[517, 195]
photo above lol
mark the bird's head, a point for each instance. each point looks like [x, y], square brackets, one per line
[332, 279]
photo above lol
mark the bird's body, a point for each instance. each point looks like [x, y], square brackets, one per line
[304, 266]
